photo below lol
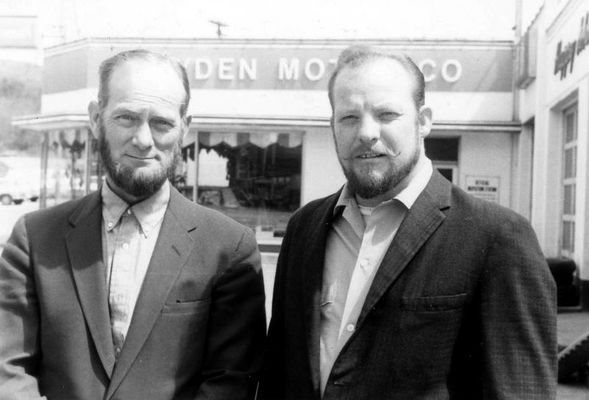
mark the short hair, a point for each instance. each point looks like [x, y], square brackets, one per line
[358, 55]
[108, 66]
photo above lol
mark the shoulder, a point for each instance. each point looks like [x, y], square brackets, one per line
[60, 213]
[499, 226]
[190, 213]
[314, 210]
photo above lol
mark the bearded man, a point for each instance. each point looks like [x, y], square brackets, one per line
[132, 292]
[401, 285]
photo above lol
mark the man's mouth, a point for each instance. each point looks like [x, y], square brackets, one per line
[142, 158]
[370, 155]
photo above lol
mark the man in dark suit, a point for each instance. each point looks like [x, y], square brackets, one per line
[400, 285]
[132, 292]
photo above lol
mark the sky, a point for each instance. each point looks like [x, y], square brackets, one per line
[359, 19]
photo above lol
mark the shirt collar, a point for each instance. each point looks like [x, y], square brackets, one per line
[407, 196]
[148, 212]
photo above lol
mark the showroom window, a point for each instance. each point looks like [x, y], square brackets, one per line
[64, 166]
[253, 177]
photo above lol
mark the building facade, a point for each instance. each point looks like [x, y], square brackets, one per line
[260, 144]
[553, 106]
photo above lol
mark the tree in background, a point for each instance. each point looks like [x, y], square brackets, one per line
[20, 94]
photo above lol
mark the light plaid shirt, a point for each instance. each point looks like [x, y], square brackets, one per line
[129, 235]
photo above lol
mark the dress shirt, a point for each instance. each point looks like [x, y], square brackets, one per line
[129, 235]
[356, 244]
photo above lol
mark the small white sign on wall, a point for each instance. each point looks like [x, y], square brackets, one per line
[483, 187]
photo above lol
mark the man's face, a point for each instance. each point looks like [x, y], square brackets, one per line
[377, 128]
[140, 128]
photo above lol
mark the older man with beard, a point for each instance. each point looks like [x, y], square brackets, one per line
[401, 285]
[132, 292]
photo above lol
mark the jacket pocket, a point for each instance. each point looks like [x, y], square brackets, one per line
[433, 303]
[186, 307]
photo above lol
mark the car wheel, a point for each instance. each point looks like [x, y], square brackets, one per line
[5, 199]
[17, 201]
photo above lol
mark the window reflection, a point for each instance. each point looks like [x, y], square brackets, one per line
[254, 178]
[66, 165]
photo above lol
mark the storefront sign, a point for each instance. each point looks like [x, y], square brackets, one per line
[565, 54]
[294, 69]
[249, 65]
[484, 187]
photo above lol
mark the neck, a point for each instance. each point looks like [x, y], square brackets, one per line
[129, 198]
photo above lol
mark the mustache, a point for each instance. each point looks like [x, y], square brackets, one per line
[372, 152]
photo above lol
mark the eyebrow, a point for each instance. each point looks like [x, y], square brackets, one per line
[389, 104]
[134, 110]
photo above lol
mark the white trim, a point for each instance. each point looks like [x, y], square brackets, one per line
[278, 43]
[63, 121]
[563, 16]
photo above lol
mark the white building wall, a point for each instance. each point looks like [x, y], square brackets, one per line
[447, 106]
[321, 172]
[487, 154]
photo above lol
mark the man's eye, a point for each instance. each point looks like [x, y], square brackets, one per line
[348, 119]
[387, 116]
[126, 118]
[162, 124]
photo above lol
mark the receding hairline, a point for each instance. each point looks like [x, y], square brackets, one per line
[138, 56]
[355, 57]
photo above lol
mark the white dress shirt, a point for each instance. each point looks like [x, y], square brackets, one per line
[356, 244]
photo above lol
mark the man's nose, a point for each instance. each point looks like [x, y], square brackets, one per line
[142, 137]
[369, 130]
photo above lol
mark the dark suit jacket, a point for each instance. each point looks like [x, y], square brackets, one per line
[198, 327]
[462, 307]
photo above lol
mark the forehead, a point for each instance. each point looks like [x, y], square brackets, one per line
[140, 81]
[380, 77]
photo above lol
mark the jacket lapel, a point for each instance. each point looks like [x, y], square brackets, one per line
[173, 246]
[84, 246]
[313, 264]
[420, 223]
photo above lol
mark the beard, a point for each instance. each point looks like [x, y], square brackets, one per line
[137, 184]
[368, 184]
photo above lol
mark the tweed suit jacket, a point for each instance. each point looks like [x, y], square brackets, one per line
[198, 327]
[462, 307]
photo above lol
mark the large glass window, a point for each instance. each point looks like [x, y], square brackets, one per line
[253, 177]
[66, 157]
[569, 181]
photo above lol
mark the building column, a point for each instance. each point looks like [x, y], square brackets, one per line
[583, 189]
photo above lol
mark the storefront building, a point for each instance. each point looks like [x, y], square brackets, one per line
[553, 82]
[260, 144]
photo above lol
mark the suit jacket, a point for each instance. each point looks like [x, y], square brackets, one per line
[197, 330]
[462, 307]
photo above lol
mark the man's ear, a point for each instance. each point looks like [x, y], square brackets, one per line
[425, 121]
[93, 118]
[186, 126]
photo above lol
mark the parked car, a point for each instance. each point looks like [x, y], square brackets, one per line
[17, 184]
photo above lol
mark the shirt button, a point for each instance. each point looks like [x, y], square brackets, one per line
[365, 263]
[125, 246]
[129, 211]
[350, 327]
[117, 351]
[109, 225]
